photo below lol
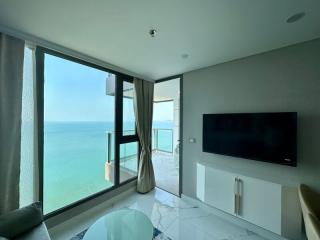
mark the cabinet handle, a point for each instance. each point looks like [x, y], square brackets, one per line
[235, 205]
[236, 196]
[239, 188]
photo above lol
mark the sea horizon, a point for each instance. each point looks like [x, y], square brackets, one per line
[75, 154]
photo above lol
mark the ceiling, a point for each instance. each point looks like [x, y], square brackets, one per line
[209, 31]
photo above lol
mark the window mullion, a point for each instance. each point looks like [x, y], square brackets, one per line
[118, 126]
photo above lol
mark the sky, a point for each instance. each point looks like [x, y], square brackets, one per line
[75, 92]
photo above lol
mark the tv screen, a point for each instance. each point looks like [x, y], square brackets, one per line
[269, 137]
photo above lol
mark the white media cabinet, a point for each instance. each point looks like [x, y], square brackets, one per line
[269, 205]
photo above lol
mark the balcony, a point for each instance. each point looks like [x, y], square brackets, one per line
[164, 157]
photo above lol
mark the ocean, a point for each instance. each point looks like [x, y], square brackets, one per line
[75, 154]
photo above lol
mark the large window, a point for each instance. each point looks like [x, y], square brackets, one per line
[128, 149]
[83, 153]
[128, 111]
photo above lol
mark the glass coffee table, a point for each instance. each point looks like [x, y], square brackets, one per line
[121, 225]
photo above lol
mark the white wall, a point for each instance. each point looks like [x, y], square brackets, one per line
[287, 79]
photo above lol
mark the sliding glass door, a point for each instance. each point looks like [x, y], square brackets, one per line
[82, 152]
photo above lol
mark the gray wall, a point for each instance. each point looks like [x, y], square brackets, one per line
[287, 79]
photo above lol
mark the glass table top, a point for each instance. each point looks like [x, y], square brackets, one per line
[121, 224]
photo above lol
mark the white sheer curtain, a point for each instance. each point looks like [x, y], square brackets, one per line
[29, 165]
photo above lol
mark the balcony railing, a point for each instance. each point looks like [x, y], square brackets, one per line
[162, 141]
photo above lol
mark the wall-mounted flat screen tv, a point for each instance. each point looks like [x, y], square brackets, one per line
[268, 137]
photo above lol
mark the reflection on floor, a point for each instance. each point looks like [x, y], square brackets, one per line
[166, 170]
[176, 218]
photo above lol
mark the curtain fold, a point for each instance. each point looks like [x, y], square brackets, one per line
[11, 74]
[143, 109]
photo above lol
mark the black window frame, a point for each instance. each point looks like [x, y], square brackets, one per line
[119, 138]
[135, 129]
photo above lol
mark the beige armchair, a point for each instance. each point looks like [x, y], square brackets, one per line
[310, 204]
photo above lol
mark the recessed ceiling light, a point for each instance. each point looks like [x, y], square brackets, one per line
[184, 55]
[296, 17]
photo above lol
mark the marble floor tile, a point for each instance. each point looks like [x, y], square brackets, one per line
[176, 218]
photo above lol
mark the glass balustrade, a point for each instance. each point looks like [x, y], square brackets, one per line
[162, 141]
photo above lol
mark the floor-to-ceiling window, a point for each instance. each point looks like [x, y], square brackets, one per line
[89, 144]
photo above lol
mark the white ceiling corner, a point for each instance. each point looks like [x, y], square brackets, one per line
[209, 31]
